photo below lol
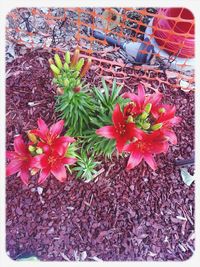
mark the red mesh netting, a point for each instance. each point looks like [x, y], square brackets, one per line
[64, 29]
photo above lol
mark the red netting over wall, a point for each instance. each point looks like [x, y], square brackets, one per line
[170, 31]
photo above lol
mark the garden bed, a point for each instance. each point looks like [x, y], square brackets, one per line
[122, 215]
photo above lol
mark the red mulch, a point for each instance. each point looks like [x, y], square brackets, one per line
[135, 215]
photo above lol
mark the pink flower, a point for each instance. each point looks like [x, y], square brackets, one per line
[52, 163]
[20, 160]
[121, 131]
[165, 114]
[50, 138]
[136, 106]
[145, 149]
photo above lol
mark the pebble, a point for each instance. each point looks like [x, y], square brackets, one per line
[19, 211]
[39, 190]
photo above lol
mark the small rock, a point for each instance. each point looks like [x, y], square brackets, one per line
[132, 187]
[19, 211]
[39, 190]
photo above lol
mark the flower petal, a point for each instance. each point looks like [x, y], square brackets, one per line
[141, 94]
[39, 161]
[120, 142]
[42, 126]
[134, 159]
[24, 175]
[69, 161]
[20, 146]
[132, 96]
[171, 135]
[150, 161]
[60, 144]
[56, 128]
[132, 131]
[59, 171]
[10, 155]
[107, 131]
[13, 167]
[43, 175]
[117, 116]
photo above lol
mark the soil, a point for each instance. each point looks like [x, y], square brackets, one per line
[138, 215]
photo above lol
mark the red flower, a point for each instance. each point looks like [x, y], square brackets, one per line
[139, 102]
[21, 160]
[146, 148]
[165, 114]
[121, 131]
[54, 163]
[135, 107]
[50, 137]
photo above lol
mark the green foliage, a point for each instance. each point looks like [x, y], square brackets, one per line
[104, 101]
[84, 111]
[76, 109]
[85, 167]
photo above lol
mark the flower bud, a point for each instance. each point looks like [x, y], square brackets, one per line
[55, 69]
[130, 119]
[31, 148]
[148, 107]
[161, 110]
[76, 74]
[58, 61]
[78, 82]
[144, 115]
[85, 67]
[60, 91]
[39, 150]
[67, 57]
[32, 137]
[51, 61]
[66, 82]
[156, 127]
[77, 89]
[66, 66]
[79, 65]
[146, 125]
[34, 171]
[75, 58]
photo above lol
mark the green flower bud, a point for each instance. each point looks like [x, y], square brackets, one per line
[78, 82]
[67, 57]
[156, 126]
[80, 64]
[76, 74]
[31, 148]
[32, 137]
[58, 61]
[148, 107]
[66, 66]
[144, 115]
[55, 69]
[130, 119]
[39, 150]
[146, 125]
[161, 110]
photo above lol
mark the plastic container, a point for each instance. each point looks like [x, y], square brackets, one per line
[174, 32]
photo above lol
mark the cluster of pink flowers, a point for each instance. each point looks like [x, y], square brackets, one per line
[45, 153]
[143, 129]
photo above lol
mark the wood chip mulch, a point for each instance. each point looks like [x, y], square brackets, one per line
[138, 215]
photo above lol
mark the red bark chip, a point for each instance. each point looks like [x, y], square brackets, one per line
[134, 215]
